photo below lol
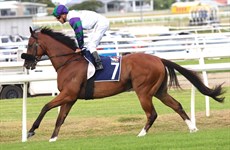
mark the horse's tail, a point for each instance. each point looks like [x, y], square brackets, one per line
[194, 78]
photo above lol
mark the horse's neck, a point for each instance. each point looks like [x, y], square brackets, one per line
[58, 53]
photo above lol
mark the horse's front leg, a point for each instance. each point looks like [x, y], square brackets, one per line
[60, 120]
[57, 101]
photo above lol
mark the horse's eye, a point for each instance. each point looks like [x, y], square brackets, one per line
[30, 45]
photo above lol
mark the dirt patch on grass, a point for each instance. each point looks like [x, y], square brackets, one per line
[119, 125]
[173, 122]
[132, 124]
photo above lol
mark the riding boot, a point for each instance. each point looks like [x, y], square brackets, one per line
[98, 62]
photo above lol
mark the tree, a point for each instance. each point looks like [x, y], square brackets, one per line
[160, 5]
[92, 5]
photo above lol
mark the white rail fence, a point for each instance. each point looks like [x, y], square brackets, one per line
[151, 18]
[184, 46]
[196, 47]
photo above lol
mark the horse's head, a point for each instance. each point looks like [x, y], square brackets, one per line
[34, 51]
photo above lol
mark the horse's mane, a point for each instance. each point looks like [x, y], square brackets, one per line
[66, 40]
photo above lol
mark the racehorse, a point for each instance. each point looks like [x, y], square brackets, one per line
[145, 74]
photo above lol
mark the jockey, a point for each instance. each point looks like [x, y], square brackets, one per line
[84, 20]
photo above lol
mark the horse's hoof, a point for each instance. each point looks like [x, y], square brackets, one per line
[30, 134]
[142, 133]
[53, 139]
[193, 130]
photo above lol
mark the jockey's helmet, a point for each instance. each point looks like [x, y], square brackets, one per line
[59, 10]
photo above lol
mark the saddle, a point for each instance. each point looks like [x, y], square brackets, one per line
[111, 72]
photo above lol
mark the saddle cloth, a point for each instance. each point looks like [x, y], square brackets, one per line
[111, 71]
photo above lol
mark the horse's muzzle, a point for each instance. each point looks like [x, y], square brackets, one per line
[30, 64]
[30, 61]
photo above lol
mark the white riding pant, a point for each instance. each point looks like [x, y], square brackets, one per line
[95, 37]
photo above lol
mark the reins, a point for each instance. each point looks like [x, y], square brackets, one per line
[62, 55]
[68, 61]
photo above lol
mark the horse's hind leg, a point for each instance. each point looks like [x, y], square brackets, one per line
[64, 111]
[177, 107]
[147, 105]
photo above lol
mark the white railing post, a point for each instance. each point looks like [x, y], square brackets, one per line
[193, 117]
[24, 113]
[205, 78]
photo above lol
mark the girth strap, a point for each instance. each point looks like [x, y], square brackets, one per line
[89, 89]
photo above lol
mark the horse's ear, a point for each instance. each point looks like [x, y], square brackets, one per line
[31, 31]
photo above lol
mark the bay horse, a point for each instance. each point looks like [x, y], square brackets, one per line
[145, 74]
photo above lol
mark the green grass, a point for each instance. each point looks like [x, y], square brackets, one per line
[211, 140]
[114, 122]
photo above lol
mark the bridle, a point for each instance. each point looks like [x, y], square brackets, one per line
[34, 58]
[35, 46]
